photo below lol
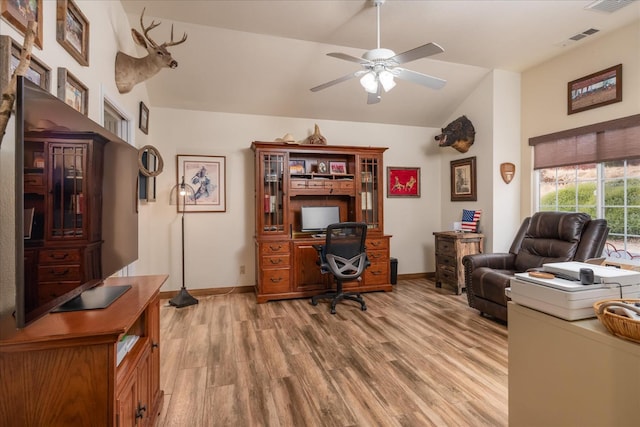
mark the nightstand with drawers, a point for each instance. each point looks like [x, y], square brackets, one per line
[451, 247]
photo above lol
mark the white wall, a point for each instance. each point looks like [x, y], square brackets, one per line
[218, 244]
[544, 93]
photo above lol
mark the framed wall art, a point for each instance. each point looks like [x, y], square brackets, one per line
[72, 91]
[144, 118]
[19, 12]
[403, 182]
[463, 180]
[338, 168]
[72, 30]
[10, 50]
[595, 90]
[296, 167]
[206, 174]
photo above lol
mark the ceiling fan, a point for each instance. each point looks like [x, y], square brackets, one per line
[380, 66]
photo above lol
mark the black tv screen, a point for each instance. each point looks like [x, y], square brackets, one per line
[119, 212]
[318, 218]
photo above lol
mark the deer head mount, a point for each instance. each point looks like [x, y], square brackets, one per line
[130, 70]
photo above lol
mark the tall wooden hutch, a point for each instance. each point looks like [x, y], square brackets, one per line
[291, 176]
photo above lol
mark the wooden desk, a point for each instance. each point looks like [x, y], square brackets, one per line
[451, 247]
[567, 374]
[61, 369]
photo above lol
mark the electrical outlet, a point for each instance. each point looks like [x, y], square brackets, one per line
[242, 269]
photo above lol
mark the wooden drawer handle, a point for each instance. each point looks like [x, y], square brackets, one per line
[275, 248]
[58, 256]
[276, 279]
[376, 273]
[375, 243]
[275, 261]
[375, 256]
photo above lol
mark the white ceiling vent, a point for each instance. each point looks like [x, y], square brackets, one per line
[608, 6]
[579, 36]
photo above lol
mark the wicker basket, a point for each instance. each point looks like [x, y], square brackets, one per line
[620, 326]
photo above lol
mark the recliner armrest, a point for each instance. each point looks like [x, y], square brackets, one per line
[499, 261]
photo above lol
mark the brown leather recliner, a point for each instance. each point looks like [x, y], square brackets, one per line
[542, 238]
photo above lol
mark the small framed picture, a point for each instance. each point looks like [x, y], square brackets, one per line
[72, 91]
[403, 182]
[323, 167]
[595, 90]
[16, 14]
[72, 30]
[10, 51]
[144, 118]
[296, 167]
[463, 180]
[338, 168]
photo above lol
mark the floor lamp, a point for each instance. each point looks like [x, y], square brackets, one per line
[185, 192]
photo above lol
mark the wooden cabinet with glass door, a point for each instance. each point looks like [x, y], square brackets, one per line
[290, 177]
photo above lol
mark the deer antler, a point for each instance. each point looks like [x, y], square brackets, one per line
[172, 43]
[149, 28]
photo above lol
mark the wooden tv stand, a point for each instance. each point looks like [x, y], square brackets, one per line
[61, 369]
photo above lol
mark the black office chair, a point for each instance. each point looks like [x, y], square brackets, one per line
[343, 255]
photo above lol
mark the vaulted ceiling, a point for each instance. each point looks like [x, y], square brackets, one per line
[262, 56]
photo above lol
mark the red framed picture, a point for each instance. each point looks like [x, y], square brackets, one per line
[403, 182]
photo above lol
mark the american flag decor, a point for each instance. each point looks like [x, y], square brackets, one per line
[470, 220]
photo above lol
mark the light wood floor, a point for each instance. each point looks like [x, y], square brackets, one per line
[419, 356]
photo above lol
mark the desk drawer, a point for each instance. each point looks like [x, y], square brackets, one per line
[448, 275]
[378, 256]
[448, 261]
[271, 248]
[377, 244]
[377, 274]
[274, 281]
[275, 261]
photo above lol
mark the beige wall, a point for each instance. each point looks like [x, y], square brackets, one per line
[544, 94]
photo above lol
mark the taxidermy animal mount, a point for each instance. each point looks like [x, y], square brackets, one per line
[458, 134]
[130, 70]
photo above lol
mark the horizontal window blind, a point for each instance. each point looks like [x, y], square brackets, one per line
[613, 140]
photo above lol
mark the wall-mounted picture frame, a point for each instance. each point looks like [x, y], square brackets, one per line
[296, 167]
[72, 91]
[207, 176]
[463, 180]
[72, 30]
[19, 12]
[143, 123]
[595, 90]
[403, 182]
[10, 50]
[338, 168]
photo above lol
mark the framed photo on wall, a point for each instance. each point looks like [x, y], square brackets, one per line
[18, 13]
[595, 90]
[206, 175]
[72, 30]
[72, 91]
[403, 182]
[10, 51]
[144, 118]
[463, 180]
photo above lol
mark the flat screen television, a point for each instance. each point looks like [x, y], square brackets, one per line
[318, 218]
[119, 211]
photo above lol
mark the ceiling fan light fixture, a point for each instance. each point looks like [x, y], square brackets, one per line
[386, 80]
[369, 82]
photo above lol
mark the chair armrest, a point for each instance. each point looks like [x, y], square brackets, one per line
[500, 261]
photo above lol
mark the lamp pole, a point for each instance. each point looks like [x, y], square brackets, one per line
[183, 299]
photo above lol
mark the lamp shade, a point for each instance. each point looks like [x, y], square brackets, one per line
[182, 194]
[386, 80]
[370, 82]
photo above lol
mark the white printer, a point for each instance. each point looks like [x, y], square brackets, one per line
[564, 295]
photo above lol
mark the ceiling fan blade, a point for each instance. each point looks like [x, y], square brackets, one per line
[349, 58]
[419, 78]
[374, 98]
[333, 82]
[417, 53]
